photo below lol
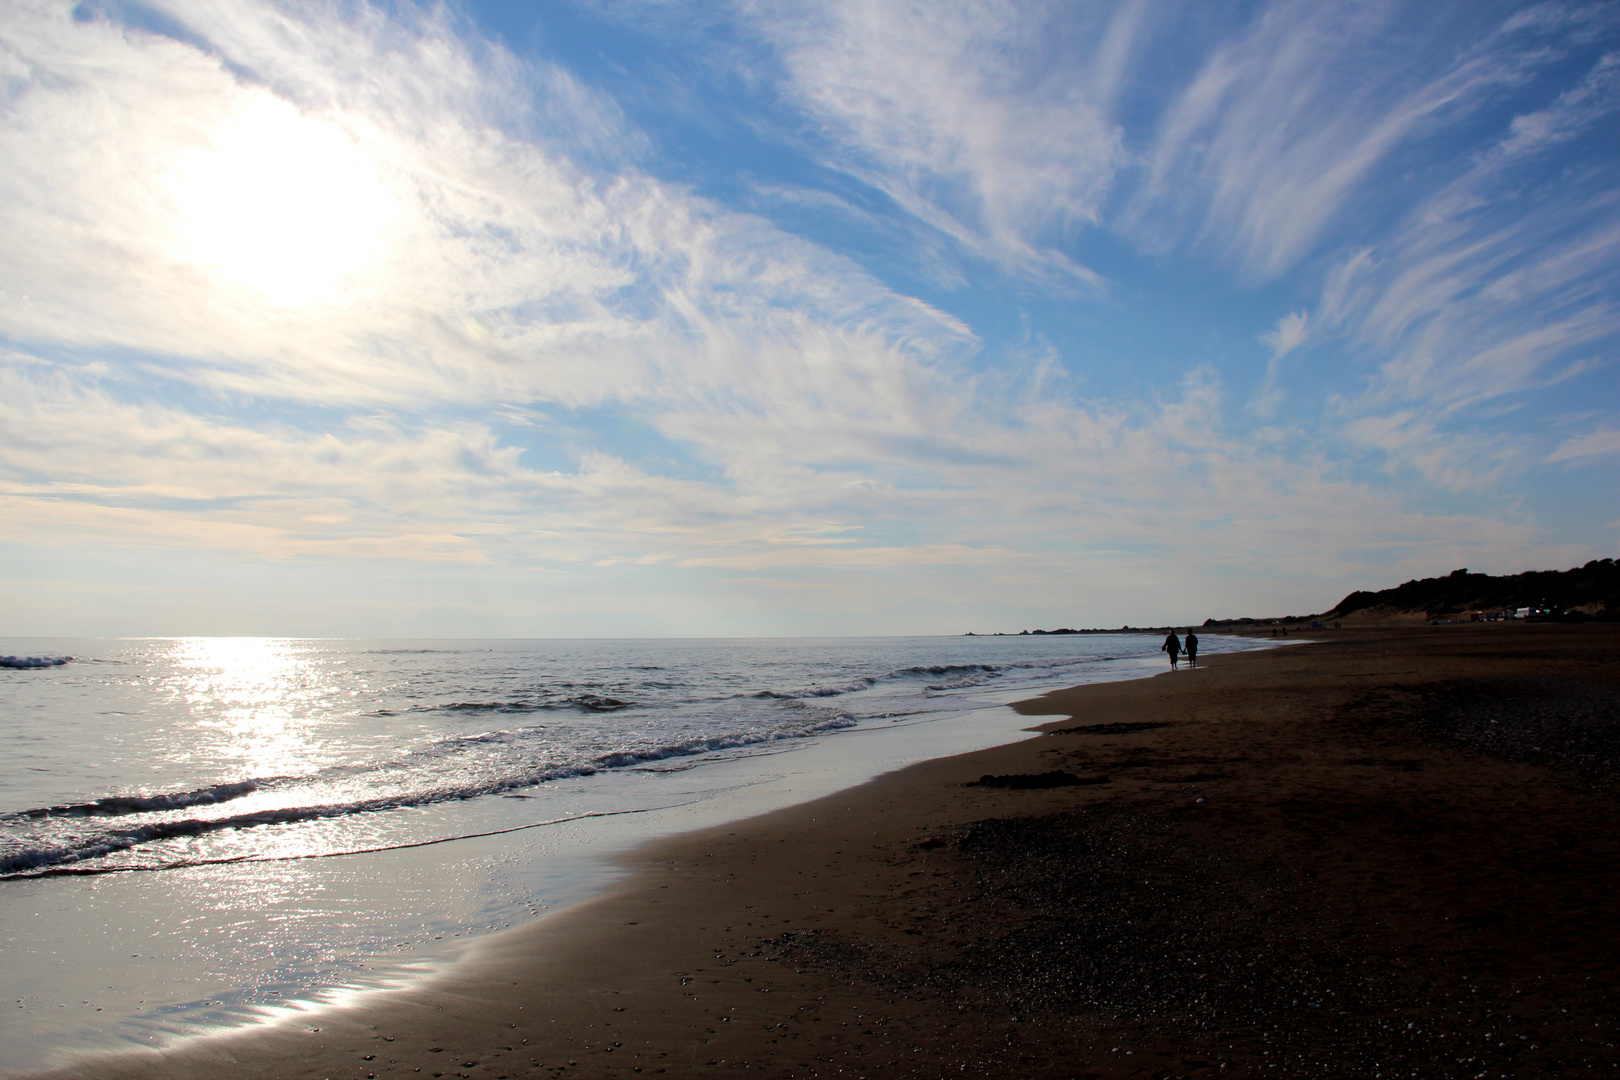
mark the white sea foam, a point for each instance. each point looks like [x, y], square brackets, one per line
[141, 821]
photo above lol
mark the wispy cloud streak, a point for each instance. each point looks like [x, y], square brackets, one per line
[956, 112]
[1278, 134]
[1503, 282]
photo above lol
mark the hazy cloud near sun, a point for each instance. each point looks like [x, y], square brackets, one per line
[291, 242]
[308, 281]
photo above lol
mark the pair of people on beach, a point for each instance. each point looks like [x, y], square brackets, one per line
[1173, 646]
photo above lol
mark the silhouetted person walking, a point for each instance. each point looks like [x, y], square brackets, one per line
[1192, 649]
[1172, 645]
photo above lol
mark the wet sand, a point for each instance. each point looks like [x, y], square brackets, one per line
[1390, 852]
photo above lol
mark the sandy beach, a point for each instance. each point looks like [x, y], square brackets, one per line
[1386, 852]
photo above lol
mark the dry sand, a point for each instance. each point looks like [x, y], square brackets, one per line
[1390, 853]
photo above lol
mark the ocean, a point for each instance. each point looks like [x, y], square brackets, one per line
[202, 832]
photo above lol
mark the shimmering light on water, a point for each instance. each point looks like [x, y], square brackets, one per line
[254, 701]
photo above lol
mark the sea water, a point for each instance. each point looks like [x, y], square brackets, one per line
[202, 832]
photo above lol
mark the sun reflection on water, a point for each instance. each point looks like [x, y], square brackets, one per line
[251, 702]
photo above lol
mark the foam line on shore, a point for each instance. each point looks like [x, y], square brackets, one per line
[97, 871]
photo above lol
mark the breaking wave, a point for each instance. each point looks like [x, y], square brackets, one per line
[407, 783]
[966, 676]
[24, 663]
[114, 805]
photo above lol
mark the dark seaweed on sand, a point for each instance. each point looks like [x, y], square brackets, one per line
[1125, 727]
[1033, 781]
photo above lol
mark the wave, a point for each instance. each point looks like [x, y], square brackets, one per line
[112, 841]
[588, 702]
[116, 805]
[959, 684]
[947, 669]
[816, 691]
[972, 675]
[489, 706]
[62, 871]
[24, 663]
[599, 703]
[721, 742]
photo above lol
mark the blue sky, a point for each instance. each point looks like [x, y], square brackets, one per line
[642, 317]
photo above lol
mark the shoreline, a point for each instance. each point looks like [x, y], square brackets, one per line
[1255, 845]
[103, 964]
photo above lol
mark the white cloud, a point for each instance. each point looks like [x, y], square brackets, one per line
[1574, 112]
[1500, 283]
[129, 147]
[453, 259]
[1494, 287]
[1603, 442]
[955, 111]
[1281, 128]
[1289, 334]
[1412, 441]
[846, 498]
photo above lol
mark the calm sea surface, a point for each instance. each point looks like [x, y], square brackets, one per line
[195, 831]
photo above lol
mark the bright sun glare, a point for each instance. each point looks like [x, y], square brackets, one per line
[286, 205]
[247, 694]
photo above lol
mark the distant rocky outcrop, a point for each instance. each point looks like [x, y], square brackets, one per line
[1584, 592]
[1580, 594]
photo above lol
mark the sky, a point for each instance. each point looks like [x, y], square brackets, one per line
[623, 318]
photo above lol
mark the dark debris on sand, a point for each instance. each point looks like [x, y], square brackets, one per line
[1036, 781]
[1565, 724]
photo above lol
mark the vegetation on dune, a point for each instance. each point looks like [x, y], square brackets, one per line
[1591, 591]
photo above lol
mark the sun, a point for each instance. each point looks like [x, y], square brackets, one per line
[288, 206]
